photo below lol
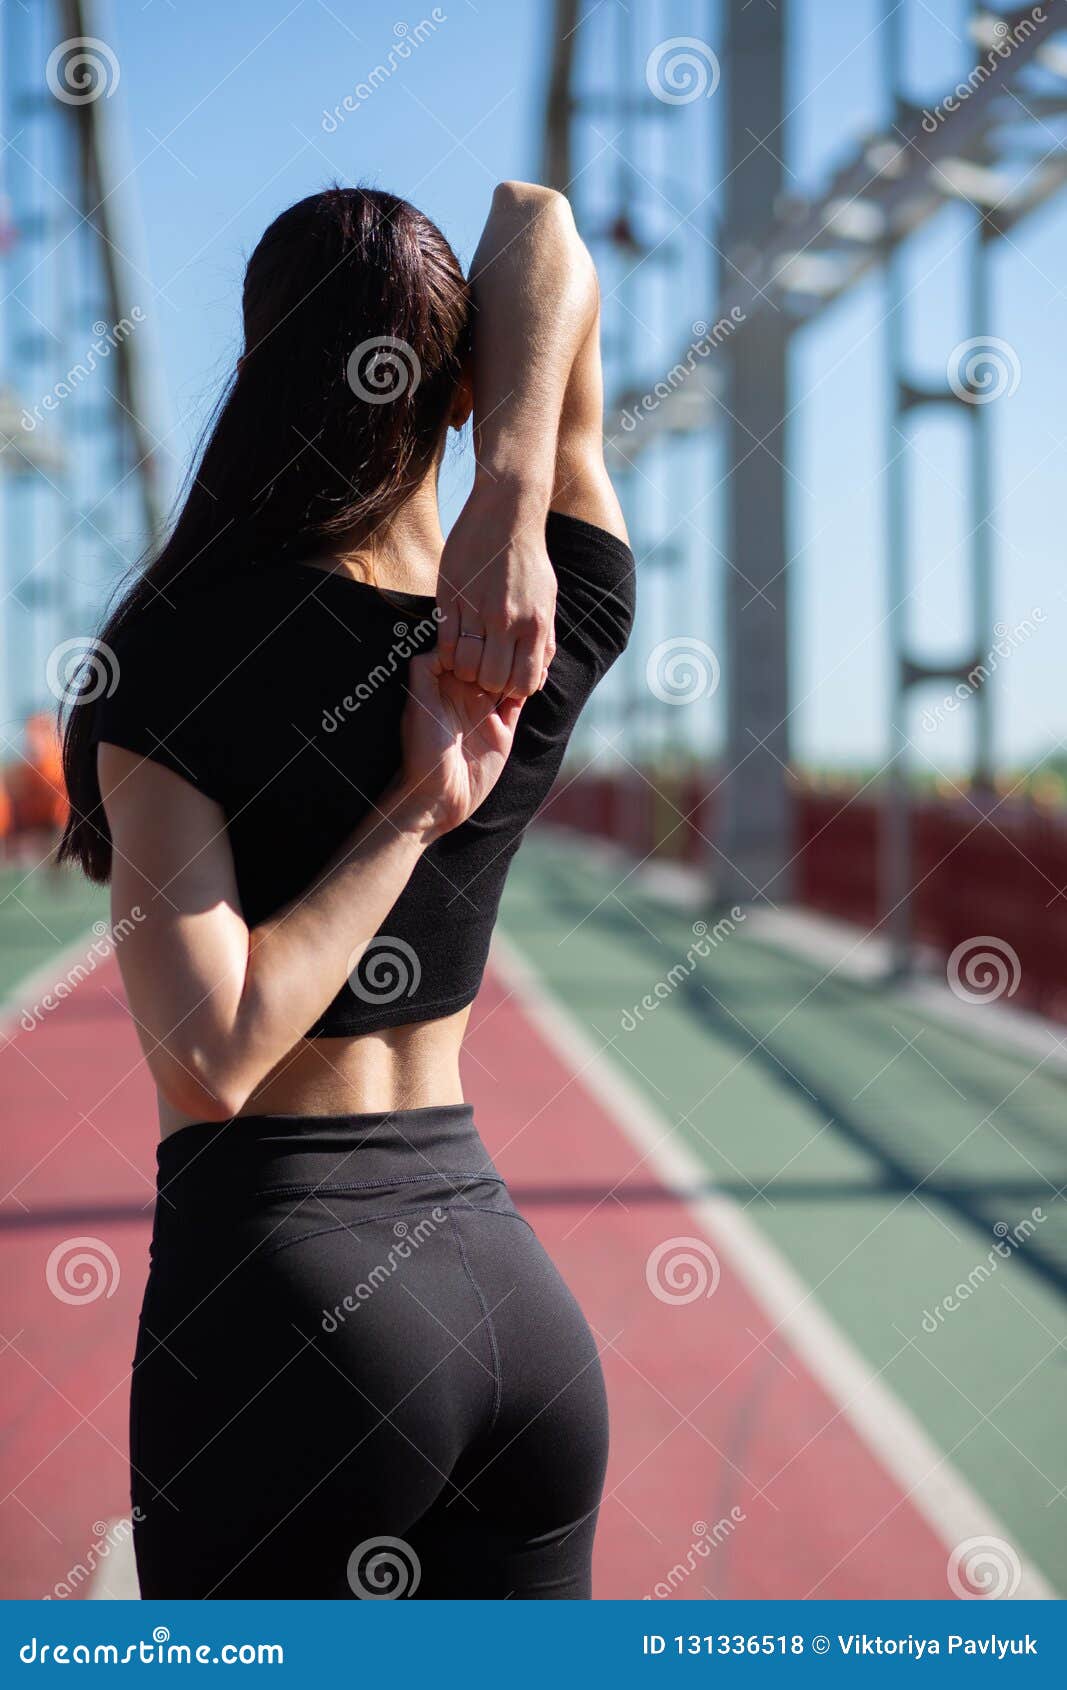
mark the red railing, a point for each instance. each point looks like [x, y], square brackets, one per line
[1000, 873]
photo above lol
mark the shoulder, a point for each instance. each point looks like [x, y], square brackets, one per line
[161, 678]
[588, 557]
[596, 588]
[185, 632]
[579, 546]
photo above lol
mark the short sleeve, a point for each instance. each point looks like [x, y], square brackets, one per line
[154, 705]
[595, 576]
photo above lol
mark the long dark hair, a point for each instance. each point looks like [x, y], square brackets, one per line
[357, 326]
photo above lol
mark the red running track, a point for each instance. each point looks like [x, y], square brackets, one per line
[714, 1418]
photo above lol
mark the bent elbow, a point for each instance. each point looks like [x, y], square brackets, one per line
[530, 193]
[529, 200]
[197, 1087]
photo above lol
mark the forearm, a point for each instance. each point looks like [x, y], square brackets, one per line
[535, 297]
[301, 957]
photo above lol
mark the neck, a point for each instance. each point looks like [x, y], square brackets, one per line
[404, 550]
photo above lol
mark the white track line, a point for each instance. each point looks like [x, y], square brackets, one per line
[941, 1494]
[27, 992]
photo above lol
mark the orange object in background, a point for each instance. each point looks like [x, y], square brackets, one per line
[36, 794]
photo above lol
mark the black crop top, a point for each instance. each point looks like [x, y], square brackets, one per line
[279, 694]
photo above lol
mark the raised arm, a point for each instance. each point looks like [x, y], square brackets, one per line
[581, 484]
[535, 298]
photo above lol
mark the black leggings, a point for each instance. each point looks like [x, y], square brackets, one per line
[357, 1373]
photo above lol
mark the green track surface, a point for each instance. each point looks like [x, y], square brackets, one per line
[41, 913]
[883, 1153]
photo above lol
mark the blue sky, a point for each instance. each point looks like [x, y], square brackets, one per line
[221, 111]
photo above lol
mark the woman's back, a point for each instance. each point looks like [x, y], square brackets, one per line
[279, 695]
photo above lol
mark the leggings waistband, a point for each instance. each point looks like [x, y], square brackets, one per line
[253, 1152]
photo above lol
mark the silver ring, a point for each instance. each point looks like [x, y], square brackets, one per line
[465, 636]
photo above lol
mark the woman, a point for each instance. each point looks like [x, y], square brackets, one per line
[357, 1372]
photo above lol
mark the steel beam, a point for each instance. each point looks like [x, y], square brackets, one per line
[757, 830]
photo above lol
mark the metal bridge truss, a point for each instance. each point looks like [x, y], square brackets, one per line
[78, 493]
[994, 143]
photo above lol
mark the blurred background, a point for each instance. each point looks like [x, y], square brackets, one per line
[773, 1046]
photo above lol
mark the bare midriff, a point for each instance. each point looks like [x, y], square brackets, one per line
[412, 1067]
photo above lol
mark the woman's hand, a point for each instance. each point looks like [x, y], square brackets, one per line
[456, 740]
[497, 590]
